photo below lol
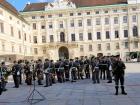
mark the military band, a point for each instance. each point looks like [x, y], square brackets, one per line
[72, 70]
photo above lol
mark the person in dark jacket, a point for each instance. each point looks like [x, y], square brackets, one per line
[28, 73]
[118, 73]
[16, 73]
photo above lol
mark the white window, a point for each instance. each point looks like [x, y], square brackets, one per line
[43, 39]
[44, 50]
[106, 21]
[136, 44]
[99, 47]
[35, 39]
[81, 36]
[97, 12]
[124, 19]
[117, 46]
[126, 45]
[51, 38]
[115, 10]
[33, 17]
[71, 14]
[72, 23]
[134, 18]
[61, 25]
[80, 23]
[34, 26]
[107, 35]
[50, 25]
[116, 20]
[116, 34]
[60, 15]
[98, 21]
[88, 22]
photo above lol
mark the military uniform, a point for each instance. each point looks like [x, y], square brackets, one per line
[73, 68]
[95, 72]
[3, 80]
[59, 66]
[28, 74]
[39, 71]
[87, 69]
[47, 69]
[16, 74]
[118, 73]
[66, 68]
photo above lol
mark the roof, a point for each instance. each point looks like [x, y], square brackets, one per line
[7, 5]
[11, 9]
[79, 3]
[87, 3]
[35, 6]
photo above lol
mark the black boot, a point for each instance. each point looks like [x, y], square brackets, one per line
[116, 87]
[123, 91]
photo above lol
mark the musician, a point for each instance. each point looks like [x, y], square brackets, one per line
[119, 72]
[95, 71]
[66, 68]
[0, 81]
[59, 65]
[87, 69]
[16, 73]
[28, 73]
[77, 61]
[73, 68]
[3, 69]
[102, 66]
[21, 64]
[81, 61]
[39, 71]
[47, 71]
[53, 72]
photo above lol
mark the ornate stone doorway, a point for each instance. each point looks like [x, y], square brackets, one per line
[63, 53]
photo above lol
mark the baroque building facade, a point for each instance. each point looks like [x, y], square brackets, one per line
[74, 28]
[15, 38]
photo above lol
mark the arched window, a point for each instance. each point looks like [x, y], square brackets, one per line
[62, 37]
[135, 31]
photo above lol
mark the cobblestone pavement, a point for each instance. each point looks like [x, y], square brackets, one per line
[83, 92]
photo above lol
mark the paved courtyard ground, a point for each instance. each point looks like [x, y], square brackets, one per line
[83, 92]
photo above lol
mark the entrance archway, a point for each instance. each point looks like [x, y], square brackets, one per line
[63, 53]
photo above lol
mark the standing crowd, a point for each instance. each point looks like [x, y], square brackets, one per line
[95, 68]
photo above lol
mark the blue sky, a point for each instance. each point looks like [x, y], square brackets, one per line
[20, 4]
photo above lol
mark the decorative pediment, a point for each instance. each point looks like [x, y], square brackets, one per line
[60, 4]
